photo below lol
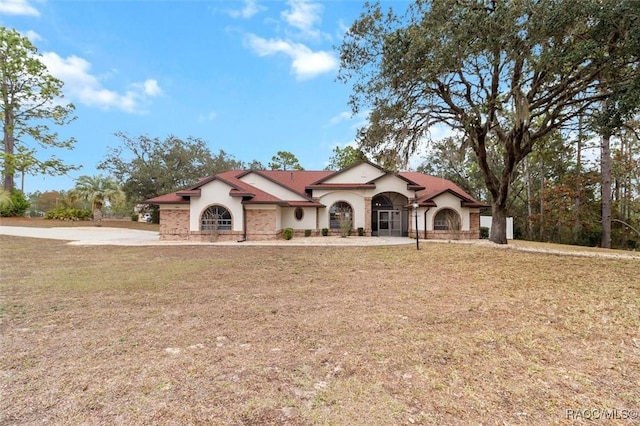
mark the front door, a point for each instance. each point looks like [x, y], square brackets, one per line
[389, 223]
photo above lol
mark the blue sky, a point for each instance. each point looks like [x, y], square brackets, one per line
[250, 77]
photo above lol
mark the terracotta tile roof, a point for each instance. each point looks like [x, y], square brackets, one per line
[299, 181]
[435, 186]
[168, 199]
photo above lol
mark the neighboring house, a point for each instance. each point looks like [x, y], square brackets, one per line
[257, 205]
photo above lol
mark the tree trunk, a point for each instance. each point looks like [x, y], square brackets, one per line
[97, 216]
[577, 226]
[605, 169]
[9, 160]
[527, 180]
[498, 224]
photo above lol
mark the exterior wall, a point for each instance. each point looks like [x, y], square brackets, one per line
[216, 192]
[289, 220]
[448, 201]
[469, 220]
[270, 187]
[262, 223]
[359, 174]
[355, 198]
[174, 222]
[391, 183]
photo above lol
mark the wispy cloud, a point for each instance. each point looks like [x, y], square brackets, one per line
[306, 63]
[303, 15]
[83, 87]
[343, 116]
[32, 36]
[210, 116]
[17, 7]
[251, 8]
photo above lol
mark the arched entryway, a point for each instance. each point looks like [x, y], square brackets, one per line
[389, 216]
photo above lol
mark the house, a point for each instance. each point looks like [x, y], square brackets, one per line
[257, 205]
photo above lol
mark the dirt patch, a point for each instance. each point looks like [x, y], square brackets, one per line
[450, 334]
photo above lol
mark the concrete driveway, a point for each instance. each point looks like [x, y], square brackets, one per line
[86, 235]
[91, 235]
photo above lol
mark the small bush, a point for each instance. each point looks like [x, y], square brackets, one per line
[287, 234]
[134, 217]
[325, 232]
[360, 232]
[15, 206]
[69, 213]
[307, 232]
[484, 232]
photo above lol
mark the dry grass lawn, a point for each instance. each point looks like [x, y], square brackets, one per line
[451, 334]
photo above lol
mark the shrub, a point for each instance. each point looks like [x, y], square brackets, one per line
[69, 213]
[325, 232]
[134, 217]
[307, 232]
[15, 206]
[360, 232]
[287, 234]
[484, 232]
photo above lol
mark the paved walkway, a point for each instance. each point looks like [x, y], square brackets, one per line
[91, 235]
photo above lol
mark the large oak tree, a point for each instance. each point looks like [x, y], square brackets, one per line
[147, 167]
[501, 73]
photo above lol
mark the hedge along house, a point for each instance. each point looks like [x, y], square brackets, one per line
[257, 205]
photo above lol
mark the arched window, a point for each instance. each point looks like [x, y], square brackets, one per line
[298, 213]
[215, 218]
[446, 220]
[340, 213]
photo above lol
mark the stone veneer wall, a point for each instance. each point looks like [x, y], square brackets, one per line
[261, 225]
[174, 225]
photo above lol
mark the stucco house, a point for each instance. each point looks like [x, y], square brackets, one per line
[257, 205]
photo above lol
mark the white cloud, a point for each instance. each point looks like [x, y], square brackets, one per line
[81, 86]
[151, 88]
[303, 15]
[305, 62]
[32, 36]
[343, 116]
[211, 116]
[251, 8]
[17, 7]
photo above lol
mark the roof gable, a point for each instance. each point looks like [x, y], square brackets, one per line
[358, 173]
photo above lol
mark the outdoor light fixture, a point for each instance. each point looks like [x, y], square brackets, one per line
[415, 210]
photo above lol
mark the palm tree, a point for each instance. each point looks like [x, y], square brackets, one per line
[97, 190]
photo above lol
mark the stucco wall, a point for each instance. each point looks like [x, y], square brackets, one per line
[216, 192]
[358, 174]
[354, 198]
[289, 220]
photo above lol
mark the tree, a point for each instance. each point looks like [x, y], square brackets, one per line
[284, 160]
[255, 165]
[502, 73]
[96, 190]
[148, 167]
[446, 159]
[29, 97]
[344, 157]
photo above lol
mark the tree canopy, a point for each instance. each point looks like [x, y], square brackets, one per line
[344, 157]
[148, 167]
[96, 190]
[504, 74]
[29, 97]
[285, 160]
